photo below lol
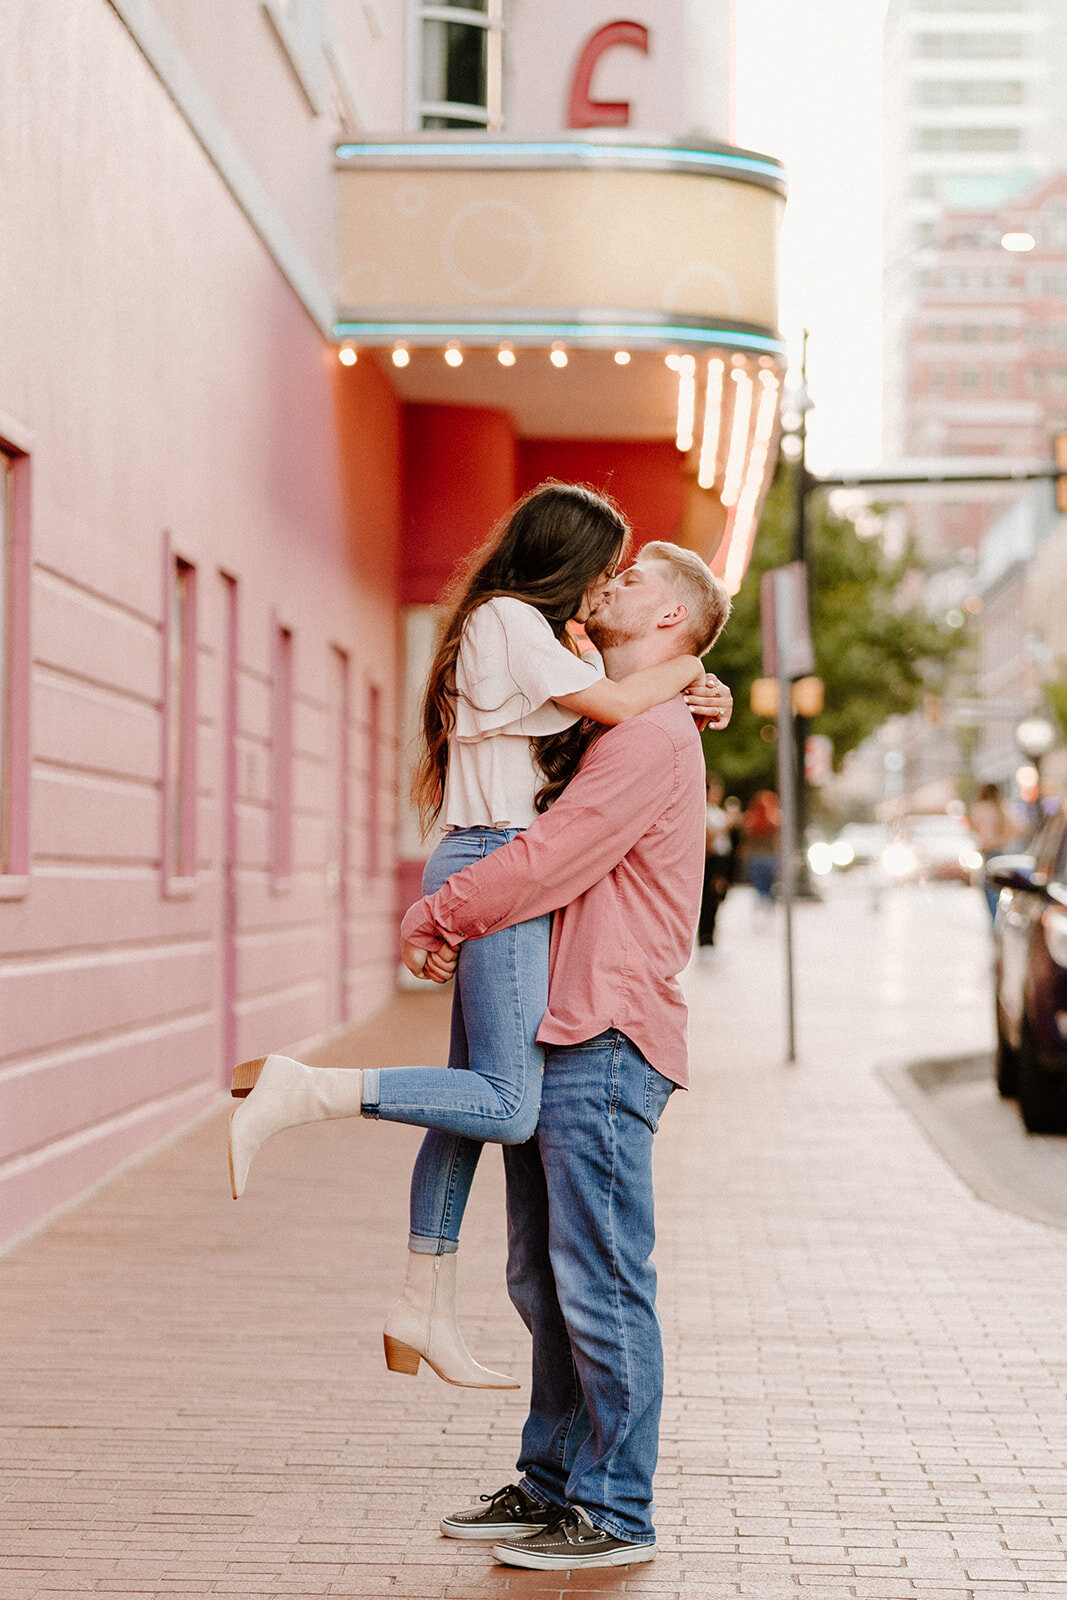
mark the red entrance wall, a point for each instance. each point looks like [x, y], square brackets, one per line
[643, 475]
[459, 478]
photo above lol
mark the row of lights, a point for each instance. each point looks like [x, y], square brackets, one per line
[401, 355]
[734, 461]
[737, 463]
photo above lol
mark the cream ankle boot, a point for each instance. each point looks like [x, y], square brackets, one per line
[282, 1093]
[422, 1326]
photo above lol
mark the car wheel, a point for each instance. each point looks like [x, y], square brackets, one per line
[1007, 1065]
[1042, 1094]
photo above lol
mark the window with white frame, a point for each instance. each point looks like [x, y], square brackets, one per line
[460, 63]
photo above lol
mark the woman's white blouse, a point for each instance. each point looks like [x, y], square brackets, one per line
[510, 668]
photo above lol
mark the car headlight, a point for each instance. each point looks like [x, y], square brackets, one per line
[842, 853]
[898, 860]
[1054, 923]
[820, 858]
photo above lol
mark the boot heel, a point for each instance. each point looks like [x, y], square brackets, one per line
[245, 1076]
[400, 1357]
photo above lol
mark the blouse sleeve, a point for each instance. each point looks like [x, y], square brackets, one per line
[511, 669]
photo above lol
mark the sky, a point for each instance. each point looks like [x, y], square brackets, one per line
[809, 91]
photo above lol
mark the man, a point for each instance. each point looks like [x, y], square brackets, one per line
[621, 852]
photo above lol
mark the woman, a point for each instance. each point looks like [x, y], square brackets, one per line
[502, 717]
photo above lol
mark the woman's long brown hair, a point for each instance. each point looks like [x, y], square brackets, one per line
[551, 547]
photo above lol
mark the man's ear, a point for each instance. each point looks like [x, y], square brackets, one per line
[677, 613]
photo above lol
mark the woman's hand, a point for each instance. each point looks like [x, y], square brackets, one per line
[710, 701]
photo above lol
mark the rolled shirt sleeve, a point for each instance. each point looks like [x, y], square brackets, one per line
[625, 781]
[510, 671]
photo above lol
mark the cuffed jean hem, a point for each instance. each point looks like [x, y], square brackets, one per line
[616, 1529]
[597, 1518]
[369, 1106]
[425, 1244]
[537, 1493]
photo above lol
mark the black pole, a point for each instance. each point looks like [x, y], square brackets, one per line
[802, 487]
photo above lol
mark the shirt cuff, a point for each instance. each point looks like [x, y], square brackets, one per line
[419, 928]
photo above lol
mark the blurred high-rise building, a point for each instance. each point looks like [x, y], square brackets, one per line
[975, 296]
[976, 115]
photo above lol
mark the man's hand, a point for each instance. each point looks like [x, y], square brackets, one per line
[413, 958]
[438, 966]
[441, 964]
[710, 701]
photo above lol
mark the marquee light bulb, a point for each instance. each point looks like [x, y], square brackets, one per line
[401, 355]
[454, 356]
[709, 444]
[347, 356]
[558, 356]
[506, 356]
[687, 402]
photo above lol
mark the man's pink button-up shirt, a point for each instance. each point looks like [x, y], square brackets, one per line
[620, 858]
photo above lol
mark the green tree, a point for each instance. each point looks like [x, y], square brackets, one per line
[877, 655]
[1056, 696]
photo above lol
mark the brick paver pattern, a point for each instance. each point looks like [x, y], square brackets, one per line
[866, 1365]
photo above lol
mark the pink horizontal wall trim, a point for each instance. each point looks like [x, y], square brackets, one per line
[93, 639]
[46, 1001]
[54, 1098]
[36, 1185]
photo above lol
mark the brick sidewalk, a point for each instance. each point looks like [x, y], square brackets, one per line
[866, 1365]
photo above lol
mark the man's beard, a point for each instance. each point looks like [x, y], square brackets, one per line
[604, 636]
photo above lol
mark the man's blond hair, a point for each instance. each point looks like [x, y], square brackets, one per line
[703, 593]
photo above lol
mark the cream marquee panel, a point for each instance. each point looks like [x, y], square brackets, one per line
[422, 242]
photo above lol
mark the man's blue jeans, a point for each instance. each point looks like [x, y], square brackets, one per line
[581, 1228]
[494, 1090]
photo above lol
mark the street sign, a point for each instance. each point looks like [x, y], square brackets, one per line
[785, 589]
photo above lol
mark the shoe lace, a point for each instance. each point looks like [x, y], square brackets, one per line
[572, 1522]
[510, 1496]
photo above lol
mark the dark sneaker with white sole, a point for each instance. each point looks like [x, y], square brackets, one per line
[508, 1514]
[570, 1541]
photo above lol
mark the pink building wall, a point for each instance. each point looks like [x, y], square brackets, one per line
[172, 392]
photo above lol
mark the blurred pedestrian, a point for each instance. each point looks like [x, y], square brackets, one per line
[994, 831]
[762, 844]
[718, 860]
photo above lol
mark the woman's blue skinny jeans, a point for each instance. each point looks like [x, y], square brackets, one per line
[493, 1092]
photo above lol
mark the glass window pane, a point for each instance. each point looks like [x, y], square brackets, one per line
[6, 476]
[473, 121]
[454, 59]
[177, 753]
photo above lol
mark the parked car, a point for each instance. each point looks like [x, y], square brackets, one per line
[859, 844]
[937, 847]
[1030, 934]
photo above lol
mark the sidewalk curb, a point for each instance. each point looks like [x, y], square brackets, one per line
[915, 1085]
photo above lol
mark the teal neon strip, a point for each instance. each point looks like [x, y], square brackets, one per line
[703, 159]
[578, 331]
